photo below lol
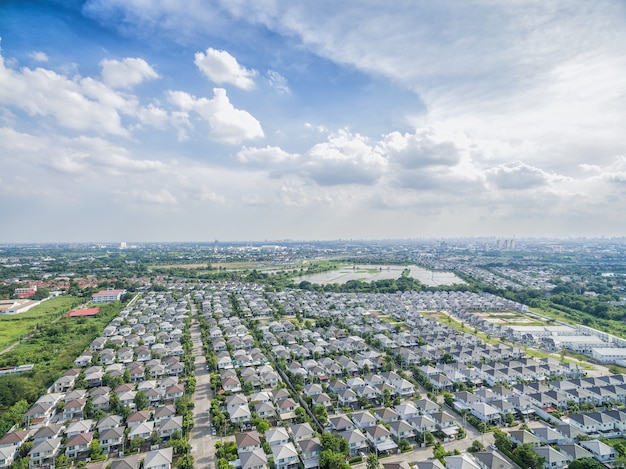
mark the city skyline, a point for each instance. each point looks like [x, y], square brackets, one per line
[331, 120]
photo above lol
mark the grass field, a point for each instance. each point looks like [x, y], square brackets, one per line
[15, 326]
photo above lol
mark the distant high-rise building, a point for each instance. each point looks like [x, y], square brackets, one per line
[215, 246]
[123, 245]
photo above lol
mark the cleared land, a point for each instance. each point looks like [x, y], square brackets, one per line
[15, 326]
[372, 273]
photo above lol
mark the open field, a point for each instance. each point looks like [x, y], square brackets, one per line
[15, 326]
[372, 273]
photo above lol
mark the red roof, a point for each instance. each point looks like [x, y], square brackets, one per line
[109, 293]
[83, 312]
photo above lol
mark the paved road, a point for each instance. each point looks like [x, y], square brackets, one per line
[202, 443]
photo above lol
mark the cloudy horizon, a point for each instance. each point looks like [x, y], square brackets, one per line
[311, 120]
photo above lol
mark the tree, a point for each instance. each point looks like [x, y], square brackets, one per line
[331, 460]
[586, 463]
[263, 426]
[439, 452]
[429, 439]
[95, 450]
[180, 445]
[136, 443]
[502, 441]
[372, 461]
[186, 462]
[476, 446]
[320, 413]
[88, 409]
[524, 456]
[62, 461]
[141, 400]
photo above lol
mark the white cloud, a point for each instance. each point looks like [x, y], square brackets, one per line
[423, 148]
[75, 104]
[221, 67]
[519, 176]
[278, 82]
[39, 56]
[226, 124]
[264, 156]
[126, 73]
[345, 158]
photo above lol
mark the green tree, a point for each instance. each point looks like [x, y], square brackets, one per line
[586, 463]
[372, 461]
[476, 446]
[185, 462]
[95, 451]
[136, 443]
[439, 452]
[524, 456]
[141, 400]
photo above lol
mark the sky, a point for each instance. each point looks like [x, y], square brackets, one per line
[162, 120]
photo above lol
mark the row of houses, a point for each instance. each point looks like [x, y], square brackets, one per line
[62, 421]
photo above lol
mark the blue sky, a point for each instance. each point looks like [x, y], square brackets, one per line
[142, 120]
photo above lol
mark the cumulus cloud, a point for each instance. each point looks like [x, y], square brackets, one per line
[518, 176]
[79, 104]
[264, 156]
[226, 123]
[423, 148]
[345, 158]
[221, 67]
[126, 73]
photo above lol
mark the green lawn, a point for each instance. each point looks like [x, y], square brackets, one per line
[15, 326]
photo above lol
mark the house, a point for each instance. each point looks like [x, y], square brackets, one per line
[169, 426]
[551, 457]
[301, 431]
[485, 412]
[111, 439]
[357, 442]
[129, 462]
[255, 459]
[310, 450]
[76, 428]
[44, 453]
[14, 440]
[423, 423]
[277, 436]
[524, 437]
[601, 451]
[74, 408]
[401, 429]
[248, 441]
[406, 411]
[285, 456]
[426, 406]
[158, 459]
[174, 392]
[142, 430]
[574, 451]
[7, 456]
[77, 446]
[48, 432]
[463, 461]
[491, 460]
[380, 439]
[363, 419]
[340, 422]
[162, 413]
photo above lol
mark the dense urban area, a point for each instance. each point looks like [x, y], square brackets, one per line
[425, 354]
